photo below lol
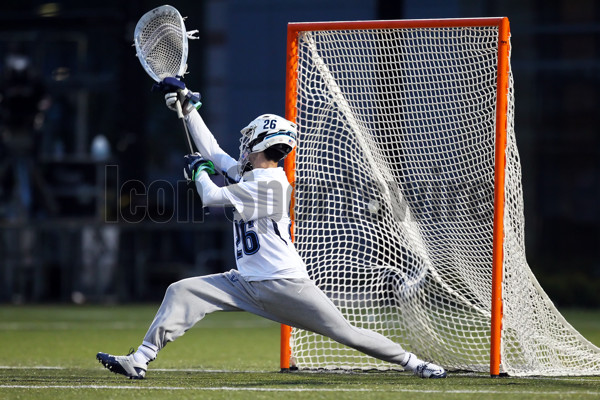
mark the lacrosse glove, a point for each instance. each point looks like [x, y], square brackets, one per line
[175, 90]
[194, 164]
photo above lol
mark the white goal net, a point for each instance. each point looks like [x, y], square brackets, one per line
[394, 202]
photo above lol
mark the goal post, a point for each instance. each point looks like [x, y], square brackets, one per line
[407, 203]
[499, 182]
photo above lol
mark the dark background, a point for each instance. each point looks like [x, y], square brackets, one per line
[84, 83]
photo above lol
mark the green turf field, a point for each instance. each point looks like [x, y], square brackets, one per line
[48, 352]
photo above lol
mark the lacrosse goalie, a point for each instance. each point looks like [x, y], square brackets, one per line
[271, 279]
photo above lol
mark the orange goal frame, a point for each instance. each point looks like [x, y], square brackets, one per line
[502, 83]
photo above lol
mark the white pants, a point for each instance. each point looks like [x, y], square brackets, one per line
[294, 302]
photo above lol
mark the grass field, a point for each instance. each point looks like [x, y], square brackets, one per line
[48, 352]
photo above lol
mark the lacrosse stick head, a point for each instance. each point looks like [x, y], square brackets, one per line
[161, 43]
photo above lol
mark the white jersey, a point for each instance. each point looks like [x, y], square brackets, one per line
[263, 244]
[261, 200]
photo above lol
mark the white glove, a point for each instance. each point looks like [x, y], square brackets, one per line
[184, 97]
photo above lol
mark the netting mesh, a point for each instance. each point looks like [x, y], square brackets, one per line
[161, 43]
[394, 202]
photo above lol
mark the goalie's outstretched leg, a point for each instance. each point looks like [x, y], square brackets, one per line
[300, 303]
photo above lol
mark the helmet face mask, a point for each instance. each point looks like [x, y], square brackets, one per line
[244, 164]
[264, 132]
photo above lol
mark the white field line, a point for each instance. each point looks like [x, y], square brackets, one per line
[34, 367]
[262, 389]
[225, 371]
[122, 325]
[252, 389]
[66, 326]
[232, 371]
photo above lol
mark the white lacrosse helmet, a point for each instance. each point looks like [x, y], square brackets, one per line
[270, 133]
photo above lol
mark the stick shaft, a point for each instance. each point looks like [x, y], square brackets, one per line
[187, 135]
[185, 128]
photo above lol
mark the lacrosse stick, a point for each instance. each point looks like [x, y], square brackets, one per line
[161, 44]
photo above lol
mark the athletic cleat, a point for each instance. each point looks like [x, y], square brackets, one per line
[430, 371]
[124, 365]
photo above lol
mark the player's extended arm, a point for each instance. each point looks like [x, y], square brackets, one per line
[203, 138]
[251, 199]
[211, 194]
[197, 169]
[209, 148]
